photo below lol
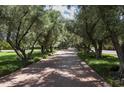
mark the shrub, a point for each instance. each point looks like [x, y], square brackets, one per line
[114, 68]
[29, 62]
[36, 59]
[50, 54]
[44, 56]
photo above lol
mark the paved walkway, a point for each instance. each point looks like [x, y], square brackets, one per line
[64, 69]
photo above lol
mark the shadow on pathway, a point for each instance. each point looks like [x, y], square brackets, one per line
[64, 69]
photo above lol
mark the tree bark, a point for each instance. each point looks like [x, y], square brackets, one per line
[119, 51]
[42, 49]
[99, 50]
[51, 49]
[122, 58]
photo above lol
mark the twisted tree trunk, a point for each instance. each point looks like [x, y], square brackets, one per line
[98, 50]
[120, 52]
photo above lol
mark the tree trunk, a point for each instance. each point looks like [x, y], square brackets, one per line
[25, 58]
[122, 58]
[99, 50]
[51, 49]
[98, 53]
[42, 49]
[119, 50]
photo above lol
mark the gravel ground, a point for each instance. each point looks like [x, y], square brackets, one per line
[63, 69]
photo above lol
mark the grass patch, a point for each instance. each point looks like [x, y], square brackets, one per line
[104, 66]
[9, 63]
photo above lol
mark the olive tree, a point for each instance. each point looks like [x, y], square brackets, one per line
[20, 22]
[111, 16]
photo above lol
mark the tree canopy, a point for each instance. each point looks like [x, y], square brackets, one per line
[91, 29]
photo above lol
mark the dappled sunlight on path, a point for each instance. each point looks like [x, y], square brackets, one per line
[64, 69]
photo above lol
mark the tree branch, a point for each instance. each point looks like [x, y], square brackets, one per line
[26, 32]
[18, 29]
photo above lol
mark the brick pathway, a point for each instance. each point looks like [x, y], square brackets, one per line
[64, 69]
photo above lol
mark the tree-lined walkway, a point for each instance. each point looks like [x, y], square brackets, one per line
[64, 69]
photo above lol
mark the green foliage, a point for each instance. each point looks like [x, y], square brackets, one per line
[9, 62]
[7, 56]
[36, 59]
[93, 29]
[4, 45]
[45, 56]
[104, 66]
[21, 24]
[52, 29]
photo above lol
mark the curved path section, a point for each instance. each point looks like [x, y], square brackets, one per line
[64, 69]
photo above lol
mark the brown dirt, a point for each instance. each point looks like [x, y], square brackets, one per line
[64, 69]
